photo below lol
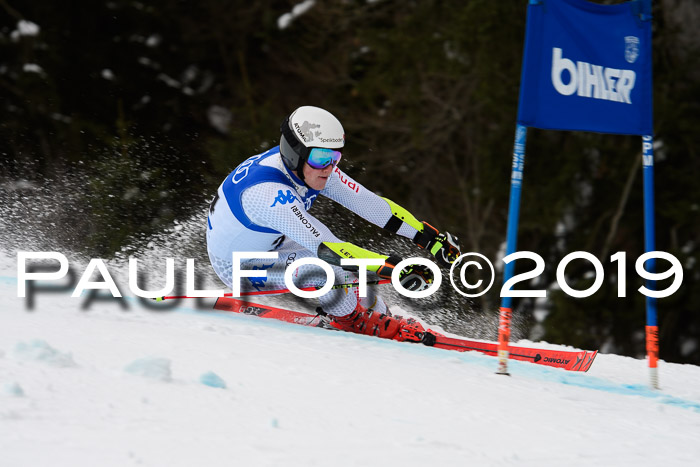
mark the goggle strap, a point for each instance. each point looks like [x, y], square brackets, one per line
[292, 140]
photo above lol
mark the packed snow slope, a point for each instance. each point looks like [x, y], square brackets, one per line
[109, 386]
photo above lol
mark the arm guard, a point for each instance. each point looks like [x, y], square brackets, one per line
[399, 215]
[426, 232]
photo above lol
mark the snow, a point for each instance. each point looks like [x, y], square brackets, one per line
[32, 68]
[154, 40]
[107, 74]
[25, 28]
[154, 368]
[213, 380]
[13, 389]
[220, 118]
[299, 9]
[94, 383]
[40, 351]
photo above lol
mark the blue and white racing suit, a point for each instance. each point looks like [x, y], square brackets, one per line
[262, 206]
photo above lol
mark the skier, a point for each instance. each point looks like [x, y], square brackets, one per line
[263, 206]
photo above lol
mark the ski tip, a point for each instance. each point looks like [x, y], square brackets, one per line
[591, 356]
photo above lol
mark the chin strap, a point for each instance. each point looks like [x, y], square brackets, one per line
[300, 172]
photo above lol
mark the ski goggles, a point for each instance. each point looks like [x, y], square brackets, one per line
[320, 158]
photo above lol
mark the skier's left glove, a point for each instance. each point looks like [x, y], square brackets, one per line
[414, 277]
[443, 246]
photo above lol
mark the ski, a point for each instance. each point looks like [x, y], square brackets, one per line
[572, 360]
[264, 311]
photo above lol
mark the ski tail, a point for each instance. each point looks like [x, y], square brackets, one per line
[264, 311]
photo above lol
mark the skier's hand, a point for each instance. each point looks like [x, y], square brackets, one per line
[443, 246]
[415, 277]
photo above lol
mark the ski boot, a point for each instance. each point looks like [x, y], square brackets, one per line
[370, 322]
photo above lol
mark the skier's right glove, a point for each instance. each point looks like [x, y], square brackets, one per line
[414, 277]
[443, 246]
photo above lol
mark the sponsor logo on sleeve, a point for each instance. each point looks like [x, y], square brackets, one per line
[354, 186]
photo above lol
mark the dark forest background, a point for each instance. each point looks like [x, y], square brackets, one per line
[133, 112]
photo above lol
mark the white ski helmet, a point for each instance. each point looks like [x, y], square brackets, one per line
[306, 128]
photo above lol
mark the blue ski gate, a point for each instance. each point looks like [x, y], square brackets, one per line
[586, 67]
